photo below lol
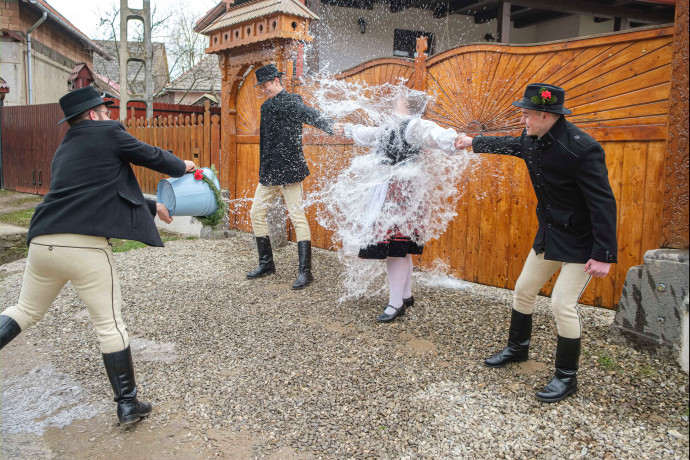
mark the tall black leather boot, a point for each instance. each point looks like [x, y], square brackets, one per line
[120, 372]
[519, 336]
[266, 265]
[564, 381]
[9, 329]
[305, 277]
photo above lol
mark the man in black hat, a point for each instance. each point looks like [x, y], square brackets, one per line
[576, 210]
[93, 196]
[282, 168]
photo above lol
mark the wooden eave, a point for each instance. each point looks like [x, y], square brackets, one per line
[258, 30]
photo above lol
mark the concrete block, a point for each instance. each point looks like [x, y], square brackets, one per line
[653, 309]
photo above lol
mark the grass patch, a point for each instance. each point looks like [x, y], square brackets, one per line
[19, 218]
[607, 361]
[647, 371]
[129, 245]
[12, 199]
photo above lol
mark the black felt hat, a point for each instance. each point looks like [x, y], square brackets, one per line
[79, 101]
[266, 73]
[544, 98]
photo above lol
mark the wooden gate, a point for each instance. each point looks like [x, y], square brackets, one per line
[617, 85]
[30, 136]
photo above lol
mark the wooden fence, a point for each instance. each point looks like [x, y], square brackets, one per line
[160, 109]
[193, 137]
[30, 136]
[618, 86]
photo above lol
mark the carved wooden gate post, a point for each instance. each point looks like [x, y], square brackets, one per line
[246, 37]
[674, 233]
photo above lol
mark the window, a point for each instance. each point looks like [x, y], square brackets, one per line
[405, 42]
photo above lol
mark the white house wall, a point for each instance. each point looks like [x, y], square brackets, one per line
[12, 71]
[342, 46]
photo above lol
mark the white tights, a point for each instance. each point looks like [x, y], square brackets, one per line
[399, 280]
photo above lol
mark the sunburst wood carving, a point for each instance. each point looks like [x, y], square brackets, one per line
[249, 100]
[611, 84]
[393, 71]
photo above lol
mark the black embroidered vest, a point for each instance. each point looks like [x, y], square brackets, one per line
[393, 148]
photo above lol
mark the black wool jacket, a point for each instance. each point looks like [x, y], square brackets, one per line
[93, 190]
[281, 158]
[576, 208]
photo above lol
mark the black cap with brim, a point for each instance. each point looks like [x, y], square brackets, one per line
[267, 73]
[79, 101]
[533, 99]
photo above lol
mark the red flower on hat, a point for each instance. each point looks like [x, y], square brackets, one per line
[545, 98]
[198, 174]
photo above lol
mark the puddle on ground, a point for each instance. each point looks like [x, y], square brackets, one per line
[41, 398]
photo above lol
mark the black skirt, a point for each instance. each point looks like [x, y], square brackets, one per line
[394, 245]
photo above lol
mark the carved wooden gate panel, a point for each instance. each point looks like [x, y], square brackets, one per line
[249, 102]
[618, 89]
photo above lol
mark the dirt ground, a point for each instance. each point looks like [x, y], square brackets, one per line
[98, 437]
[250, 369]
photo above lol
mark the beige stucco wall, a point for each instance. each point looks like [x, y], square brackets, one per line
[50, 73]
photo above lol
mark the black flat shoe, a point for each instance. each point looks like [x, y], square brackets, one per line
[384, 318]
[408, 302]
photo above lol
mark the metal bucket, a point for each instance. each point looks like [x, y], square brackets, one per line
[186, 196]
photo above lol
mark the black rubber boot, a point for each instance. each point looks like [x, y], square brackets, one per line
[519, 336]
[120, 372]
[9, 329]
[305, 277]
[564, 381]
[266, 265]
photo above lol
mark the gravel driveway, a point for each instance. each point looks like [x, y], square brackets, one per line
[298, 375]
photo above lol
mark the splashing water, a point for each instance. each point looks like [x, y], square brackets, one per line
[368, 197]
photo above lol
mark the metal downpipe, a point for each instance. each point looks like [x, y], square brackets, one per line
[28, 54]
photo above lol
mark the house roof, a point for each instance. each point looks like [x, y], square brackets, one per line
[110, 70]
[55, 17]
[211, 15]
[105, 84]
[4, 87]
[204, 76]
[80, 67]
[262, 8]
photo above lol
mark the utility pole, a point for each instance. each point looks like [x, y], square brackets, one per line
[143, 15]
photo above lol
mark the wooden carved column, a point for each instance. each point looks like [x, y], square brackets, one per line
[420, 65]
[674, 233]
[228, 150]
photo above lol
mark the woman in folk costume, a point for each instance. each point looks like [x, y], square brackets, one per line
[394, 219]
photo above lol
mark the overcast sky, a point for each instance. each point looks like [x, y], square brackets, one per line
[85, 14]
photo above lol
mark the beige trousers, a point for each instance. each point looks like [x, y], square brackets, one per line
[293, 200]
[86, 261]
[569, 286]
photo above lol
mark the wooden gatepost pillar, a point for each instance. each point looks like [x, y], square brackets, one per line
[244, 41]
[674, 233]
[653, 309]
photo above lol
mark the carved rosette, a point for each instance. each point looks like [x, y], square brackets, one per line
[674, 233]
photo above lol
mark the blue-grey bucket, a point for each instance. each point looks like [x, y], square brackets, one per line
[186, 196]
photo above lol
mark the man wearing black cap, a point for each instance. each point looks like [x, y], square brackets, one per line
[93, 196]
[576, 210]
[282, 168]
